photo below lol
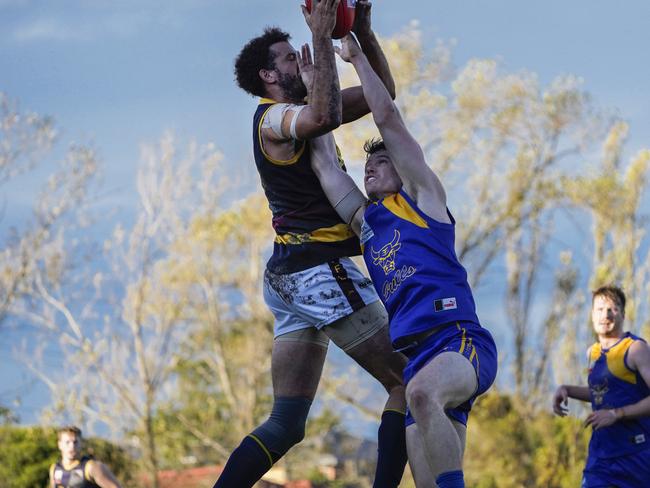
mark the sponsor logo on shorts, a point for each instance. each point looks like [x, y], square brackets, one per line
[443, 304]
[639, 439]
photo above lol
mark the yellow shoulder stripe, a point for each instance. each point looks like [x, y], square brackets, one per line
[616, 361]
[594, 352]
[397, 205]
[87, 469]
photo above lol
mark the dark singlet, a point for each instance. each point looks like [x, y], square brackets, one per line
[75, 477]
[308, 230]
[612, 384]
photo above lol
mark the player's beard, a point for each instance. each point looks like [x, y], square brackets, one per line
[292, 86]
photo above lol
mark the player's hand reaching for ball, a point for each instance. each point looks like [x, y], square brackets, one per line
[349, 49]
[361, 25]
[322, 18]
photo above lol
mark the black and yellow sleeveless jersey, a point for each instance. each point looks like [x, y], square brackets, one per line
[308, 230]
[75, 476]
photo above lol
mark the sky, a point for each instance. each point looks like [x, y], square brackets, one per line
[120, 73]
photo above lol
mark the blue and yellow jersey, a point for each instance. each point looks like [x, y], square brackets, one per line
[308, 230]
[74, 476]
[612, 384]
[413, 265]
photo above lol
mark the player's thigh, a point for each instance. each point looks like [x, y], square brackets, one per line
[296, 366]
[448, 379]
[420, 468]
[364, 336]
[461, 430]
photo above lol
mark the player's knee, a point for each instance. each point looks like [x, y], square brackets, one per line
[285, 427]
[419, 398]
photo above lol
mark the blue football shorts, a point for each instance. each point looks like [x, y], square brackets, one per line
[629, 471]
[466, 338]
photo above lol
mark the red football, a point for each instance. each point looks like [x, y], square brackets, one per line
[344, 17]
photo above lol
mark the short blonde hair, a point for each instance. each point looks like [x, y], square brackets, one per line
[68, 429]
[614, 293]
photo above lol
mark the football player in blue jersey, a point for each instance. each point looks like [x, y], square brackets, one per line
[618, 389]
[75, 470]
[311, 285]
[407, 237]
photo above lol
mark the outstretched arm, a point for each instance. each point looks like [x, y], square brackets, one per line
[341, 190]
[323, 111]
[420, 182]
[354, 103]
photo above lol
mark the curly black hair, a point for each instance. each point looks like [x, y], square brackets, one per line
[257, 55]
[373, 145]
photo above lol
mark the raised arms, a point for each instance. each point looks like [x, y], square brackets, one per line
[354, 103]
[419, 181]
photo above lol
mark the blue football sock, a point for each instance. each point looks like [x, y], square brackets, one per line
[451, 479]
[246, 465]
[391, 458]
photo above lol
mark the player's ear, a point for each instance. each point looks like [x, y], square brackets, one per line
[268, 75]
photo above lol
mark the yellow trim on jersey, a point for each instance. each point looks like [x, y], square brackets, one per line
[86, 469]
[261, 444]
[594, 352]
[397, 205]
[73, 465]
[52, 483]
[336, 233]
[616, 359]
[278, 162]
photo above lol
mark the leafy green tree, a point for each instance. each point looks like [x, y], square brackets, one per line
[511, 445]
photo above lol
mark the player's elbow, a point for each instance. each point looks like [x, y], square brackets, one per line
[385, 113]
[329, 122]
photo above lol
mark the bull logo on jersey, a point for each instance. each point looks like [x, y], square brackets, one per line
[598, 392]
[385, 257]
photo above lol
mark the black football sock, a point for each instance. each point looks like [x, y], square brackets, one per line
[392, 457]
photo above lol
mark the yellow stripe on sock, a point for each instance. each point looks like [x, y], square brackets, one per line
[393, 410]
[263, 449]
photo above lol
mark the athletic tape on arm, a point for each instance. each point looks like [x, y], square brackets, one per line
[275, 115]
[348, 205]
